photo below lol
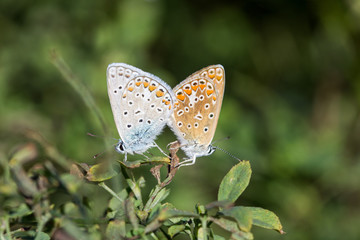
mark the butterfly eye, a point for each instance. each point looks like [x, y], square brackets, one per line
[120, 148]
[211, 149]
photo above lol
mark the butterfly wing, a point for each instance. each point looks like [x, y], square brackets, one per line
[197, 108]
[141, 105]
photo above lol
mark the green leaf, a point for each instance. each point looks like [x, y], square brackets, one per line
[115, 204]
[21, 211]
[226, 224]
[235, 182]
[116, 230]
[73, 229]
[23, 154]
[217, 237]
[42, 236]
[242, 236]
[242, 215]
[173, 213]
[102, 171]
[265, 218]
[71, 182]
[130, 212]
[175, 229]
[136, 188]
[218, 204]
[138, 163]
[154, 212]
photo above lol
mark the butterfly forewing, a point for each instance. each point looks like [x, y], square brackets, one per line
[197, 106]
[118, 75]
[141, 107]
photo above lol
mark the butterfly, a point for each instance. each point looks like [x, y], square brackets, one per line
[196, 111]
[141, 104]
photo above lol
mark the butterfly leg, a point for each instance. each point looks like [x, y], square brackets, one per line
[188, 162]
[147, 158]
[125, 158]
[171, 144]
[160, 149]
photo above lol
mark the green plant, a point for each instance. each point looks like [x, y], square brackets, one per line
[30, 212]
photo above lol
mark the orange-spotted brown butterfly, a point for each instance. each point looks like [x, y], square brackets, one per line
[196, 111]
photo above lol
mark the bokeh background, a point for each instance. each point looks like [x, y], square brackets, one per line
[291, 103]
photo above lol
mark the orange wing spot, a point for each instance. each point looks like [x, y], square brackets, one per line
[130, 89]
[202, 86]
[214, 98]
[167, 102]
[160, 93]
[138, 83]
[152, 88]
[181, 97]
[146, 84]
[194, 87]
[188, 91]
[219, 77]
[209, 92]
[169, 107]
[211, 74]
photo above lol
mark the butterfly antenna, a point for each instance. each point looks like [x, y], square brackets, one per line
[102, 152]
[97, 136]
[221, 139]
[227, 153]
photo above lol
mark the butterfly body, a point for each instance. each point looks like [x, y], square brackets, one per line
[141, 104]
[197, 107]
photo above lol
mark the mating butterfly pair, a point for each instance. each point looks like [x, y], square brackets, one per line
[142, 104]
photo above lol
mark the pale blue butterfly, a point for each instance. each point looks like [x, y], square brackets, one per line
[141, 104]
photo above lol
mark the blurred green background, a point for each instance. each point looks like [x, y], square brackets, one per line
[291, 103]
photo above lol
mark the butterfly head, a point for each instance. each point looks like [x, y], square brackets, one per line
[211, 149]
[120, 147]
[198, 150]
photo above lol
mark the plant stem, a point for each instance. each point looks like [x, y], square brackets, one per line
[204, 227]
[109, 190]
[79, 86]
